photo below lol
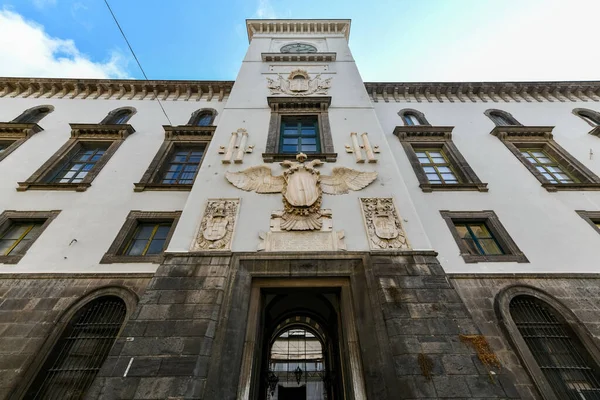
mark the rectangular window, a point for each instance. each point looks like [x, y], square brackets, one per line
[477, 238]
[547, 166]
[436, 166]
[149, 238]
[182, 166]
[18, 236]
[299, 135]
[481, 237]
[18, 231]
[80, 164]
[143, 237]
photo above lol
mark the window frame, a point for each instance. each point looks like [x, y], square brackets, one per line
[502, 308]
[114, 254]
[512, 253]
[493, 114]
[307, 117]
[295, 106]
[33, 114]
[9, 217]
[81, 134]
[590, 117]
[198, 114]
[438, 137]
[175, 136]
[112, 115]
[591, 217]
[516, 138]
[419, 116]
[16, 134]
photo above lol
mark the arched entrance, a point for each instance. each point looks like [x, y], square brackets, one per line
[301, 346]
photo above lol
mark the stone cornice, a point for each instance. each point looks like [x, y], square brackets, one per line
[320, 103]
[294, 57]
[325, 27]
[100, 131]
[115, 89]
[423, 132]
[15, 130]
[523, 132]
[189, 132]
[493, 92]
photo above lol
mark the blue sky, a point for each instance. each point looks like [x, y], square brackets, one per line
[392, 40]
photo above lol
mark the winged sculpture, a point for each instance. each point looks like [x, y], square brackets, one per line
[302, 187]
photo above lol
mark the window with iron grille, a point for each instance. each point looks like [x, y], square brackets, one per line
[481, 237]
[80, 164]
[436, 166]
[550, 169]
[80, 352]
[299, 134]
[183, 165]
[566, 364]
[143, 237]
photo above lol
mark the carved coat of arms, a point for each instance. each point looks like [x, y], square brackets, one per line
[383, 224]
[216, 228]
[302, 186]
[298, 83]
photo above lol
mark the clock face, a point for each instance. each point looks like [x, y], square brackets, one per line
[298, 48]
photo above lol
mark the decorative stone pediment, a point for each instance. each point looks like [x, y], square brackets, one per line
[424, 132]
[100, 131]
[512, 133]
[189, 132]
[14, 130]
[295, 104]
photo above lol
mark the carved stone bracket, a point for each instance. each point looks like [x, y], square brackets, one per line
[357, 148]
[384, 228]
[236, 148]
[217, 225]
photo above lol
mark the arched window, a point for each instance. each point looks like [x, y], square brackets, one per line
[501, 118]
[202, 117]
[118, 116]
[553, 345]
[589, 116]
[79, 353]
[412, 117]
[33, 115]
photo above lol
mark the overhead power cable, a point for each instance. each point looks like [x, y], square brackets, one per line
[134, 56]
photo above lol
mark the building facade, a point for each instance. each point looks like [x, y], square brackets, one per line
[299, 233]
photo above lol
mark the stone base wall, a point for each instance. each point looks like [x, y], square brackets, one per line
[581, 295]
[164, 350]
[31, 305]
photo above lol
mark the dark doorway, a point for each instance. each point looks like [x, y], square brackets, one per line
[292, 393]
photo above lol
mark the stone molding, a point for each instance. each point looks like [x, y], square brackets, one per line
[217, 226]
[423, 132]
[493, 92]
[16, 134]
[115, 89]
[189, 132]
[323, 27]
[383, 224]
[100, 131]
[300, 57]
[518, 132]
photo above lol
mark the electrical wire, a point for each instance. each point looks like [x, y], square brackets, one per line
[134, 56]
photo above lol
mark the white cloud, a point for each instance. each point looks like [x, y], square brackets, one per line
[28, 51]
[44, 3]
[265, 10]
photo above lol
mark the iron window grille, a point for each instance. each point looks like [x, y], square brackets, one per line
[564, 361]
[79, 354]
[436, 166]
[299, 135]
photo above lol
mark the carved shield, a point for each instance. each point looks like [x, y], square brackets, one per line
[216, 228]
[299, 84]
[302, 188]
[385, 227]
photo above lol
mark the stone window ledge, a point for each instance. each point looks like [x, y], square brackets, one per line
[472, 258]
[140, 187]
[75, 187]
[274, 157]
[459, 187]
[557, 187]
[114, 259]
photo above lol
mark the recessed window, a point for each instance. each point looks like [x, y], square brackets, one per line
[19, 236]
[80, 164]
[299, 135]
[203, 117]
[436, 166]
[143, 237]
[501, 118]
[547, 166]
[183, 166]
[477, 238]
[33, 115]
[590, 116]
[412, 117]
[19, 230]
[119, 116]
[149, 238]
[481, 237]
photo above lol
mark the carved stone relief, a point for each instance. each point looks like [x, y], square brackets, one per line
[383, 224]
[218, 224]
[236, 149]
[299, 83]
[357, 148]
